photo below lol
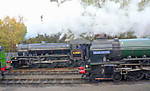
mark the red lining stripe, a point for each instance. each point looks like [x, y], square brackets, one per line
[102, 78]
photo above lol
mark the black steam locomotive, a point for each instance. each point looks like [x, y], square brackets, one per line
[102, 59]
[118, 59]
[52, 55]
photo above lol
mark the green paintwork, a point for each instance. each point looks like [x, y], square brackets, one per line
[2, 59]
[135, 47]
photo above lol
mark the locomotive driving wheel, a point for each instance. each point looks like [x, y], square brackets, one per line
[116, 76]
[135, 75]
[148, 75]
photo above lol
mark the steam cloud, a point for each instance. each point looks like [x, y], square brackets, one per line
[111, 18]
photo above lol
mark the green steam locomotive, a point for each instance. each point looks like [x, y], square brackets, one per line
[118, 59]
[4, 63]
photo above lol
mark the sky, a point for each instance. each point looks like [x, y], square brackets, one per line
[69, 15]
[53, 16]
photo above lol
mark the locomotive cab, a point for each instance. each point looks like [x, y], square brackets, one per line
[79, 51]
[103, 51]
[77, 54]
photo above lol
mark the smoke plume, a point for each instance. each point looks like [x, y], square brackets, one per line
[111, 18]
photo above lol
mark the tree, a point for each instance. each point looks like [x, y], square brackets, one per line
[54, 38]
[123, 3]
[69, 35]
[12, 32]
[126, 35]
[88, 35]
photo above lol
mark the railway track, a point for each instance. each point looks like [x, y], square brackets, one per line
[43, 69]
[42, 76]
[32, 81]
[42, 72]
[54, 71]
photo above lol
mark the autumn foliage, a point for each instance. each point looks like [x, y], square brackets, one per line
[12, 32]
